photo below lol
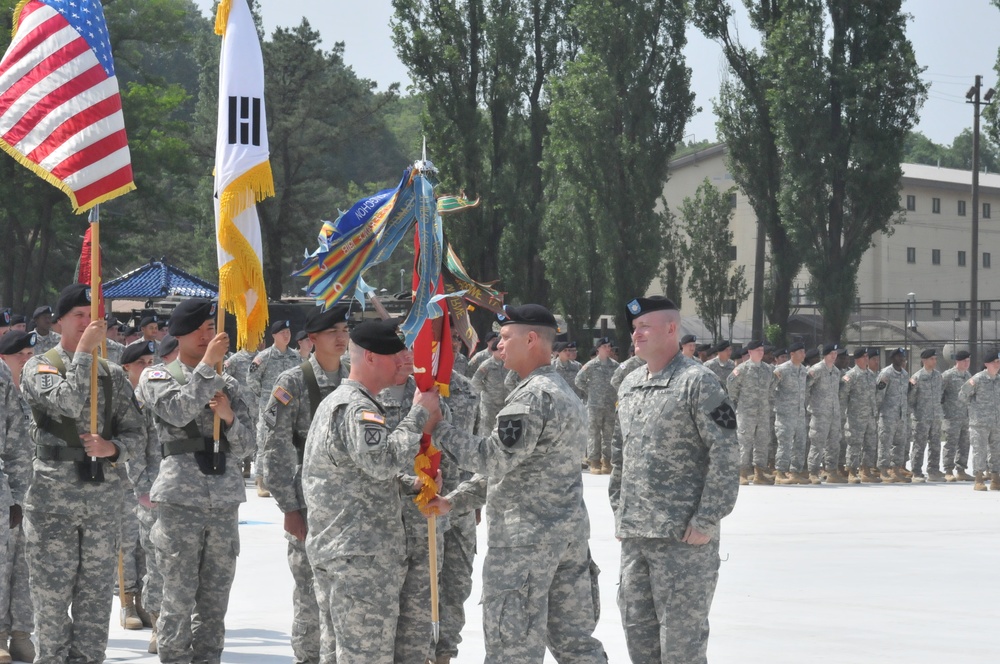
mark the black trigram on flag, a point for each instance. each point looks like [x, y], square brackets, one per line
[244, 121]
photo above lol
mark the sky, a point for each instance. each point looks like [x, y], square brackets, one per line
[954, 40]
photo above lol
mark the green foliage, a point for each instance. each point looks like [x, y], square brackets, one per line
[918, 149]
[715, 284]
[774, 334]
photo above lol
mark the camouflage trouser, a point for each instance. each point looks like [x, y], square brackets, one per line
[665, 593]
[358, 599]
[926, 433]
[600, 430]
[129, 542]
[893, 433]
[305, 611]
[772, 450]
[152, 582]
[16, 611]
[196, 548]
[824, 443]
[413, 628]
[862, 443]
[985, 448]
[456, 583]
[71, 557]
[8, 538]
[538, 596]
[791, 433]
[956, 444]
[753, 431]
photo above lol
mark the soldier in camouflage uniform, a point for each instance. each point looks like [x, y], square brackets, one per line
[261, 374]
[285, 424]
[111, 343]
[199, 486]
[721, 365]
[566, 366]
[356, 541]
[924, 401]
[689, 346]
[478, 358]
[982, 394]
[857, 401]
[16, 450]
[237, 365]
[489, 384]
[71, 508]
[669, 498]
[790, 427]
[956, 419]
[594, 380]
[624, 369]
[891, 389]
[823, 404]
[750, 387]
[539, 582]
[460, 361]
[47, 337]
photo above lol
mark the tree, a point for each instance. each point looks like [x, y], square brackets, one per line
[674, 266]
[850, 92]
[918, 149]
[746, 124]
[717, 286]
[617, 112]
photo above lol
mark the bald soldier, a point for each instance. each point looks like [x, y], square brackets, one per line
[675, 477]
[539, 582]
[355, 539]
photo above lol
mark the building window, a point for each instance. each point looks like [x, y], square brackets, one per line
[936, 308]
[935, 256]
[911, 203]
[962, 309]
[732, 201]
[732, 252]
[987, 309]
[911, 254]
[986, 259]
[961, 208]
[961, 259]
[729, 307]
[936, 205]
[986, 210]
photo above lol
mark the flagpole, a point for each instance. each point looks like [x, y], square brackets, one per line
[95, 303]
[220, 326]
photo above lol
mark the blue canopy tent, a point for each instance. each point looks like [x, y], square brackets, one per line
[156, 280]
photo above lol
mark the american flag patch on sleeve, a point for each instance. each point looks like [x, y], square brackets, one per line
[282, 395]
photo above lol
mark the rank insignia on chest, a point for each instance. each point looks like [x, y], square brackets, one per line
[157, 374]
[724, 416]
[509, 430]
[369, 416]
[282, 395]
[373, 436]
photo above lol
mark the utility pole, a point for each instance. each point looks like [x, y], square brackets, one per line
[973, 97]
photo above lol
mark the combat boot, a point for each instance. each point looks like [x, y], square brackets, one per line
[905, 473]
[833, 476]
[814, 478]
[950, 476]
[744, 477]
[962, 476]
[979, 485]
[867, 477]
[918, 477]
[887, 476]
[21, 648]
[853, 477]
[5, 657]
[994, 481]
[246, 468]
[802, 478]
[264, 493]
[442, 659]
[153, 647]
[935, 475]
[781, 478]
[130, 619]
[595, 468]
[760, 477]
[605, 467]
[901, 475]
[147, 620]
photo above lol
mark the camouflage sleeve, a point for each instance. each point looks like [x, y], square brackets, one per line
[240, 434]
[469, 495]
[129, 425]
[810, 382]
[615, 482]
[733, 384]
[64, 397]
[479, 379]
[717, 429]
[279, 459]
[376, 450]
[519, 426]
[967, 391]
[844, 392]
[17, 450]
[144, 468]
[178, 404]
[880, 385]
[510, 381]
[582, 379]
[255, 372]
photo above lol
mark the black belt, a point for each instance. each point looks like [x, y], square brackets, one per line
[60, 453]
[188, 445]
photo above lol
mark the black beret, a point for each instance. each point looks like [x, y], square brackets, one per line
[15, 341]
[168, 345]
[190, 314]
[490, 337]
[161, 324]
[45, 309]
[5, 315]
[644, 305]
[528, 314]
[991, 357]
[77, 295]
[603, 341]
[860, 352]
[570, 345]
[873, 352]
[743, 352]
[830, 348]
[110, 319]
[897, 351]
[136, 350]
[381, 337]
[781, 351]
[841, 351]
[688, 339]
[721, 346]
[18, 319]
[812, 354]
[798, 345]
[928, 353]
[962, 355]
[300, 335]
[754, 345]
[279, 325]
[128, 331]
[702, 348]
[319, 320]
[148, 320]
[559, 346]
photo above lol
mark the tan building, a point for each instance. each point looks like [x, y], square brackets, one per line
[928, 254]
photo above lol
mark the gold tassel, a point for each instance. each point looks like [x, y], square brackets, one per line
[222, 16]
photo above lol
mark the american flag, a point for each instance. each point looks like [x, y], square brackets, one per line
[60, 109]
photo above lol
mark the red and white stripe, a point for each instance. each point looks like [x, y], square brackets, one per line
[60, 110]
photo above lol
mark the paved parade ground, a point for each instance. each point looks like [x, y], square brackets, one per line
[886, 573]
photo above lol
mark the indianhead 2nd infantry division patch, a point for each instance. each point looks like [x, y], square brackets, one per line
[724, 416]
[509, 429]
